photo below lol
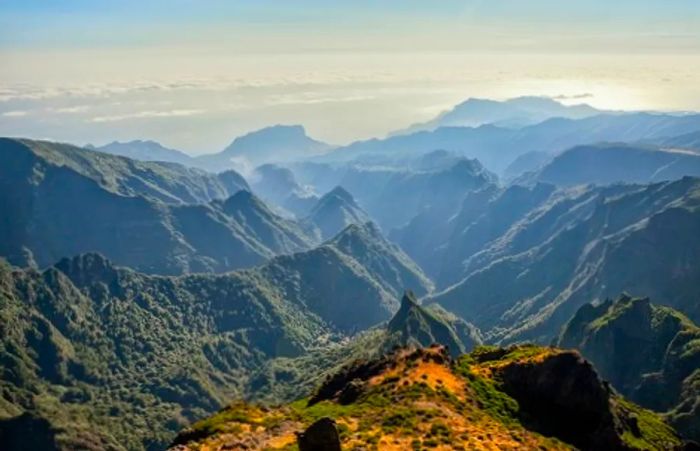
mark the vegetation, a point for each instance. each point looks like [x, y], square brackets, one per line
[648, 352]
[420, 399]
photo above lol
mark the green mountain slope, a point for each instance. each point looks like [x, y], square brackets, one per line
[650, 353]
[642, 240]
[415, 325]
[37, 162]
[63, 200]
[391, 266]
[112, 356]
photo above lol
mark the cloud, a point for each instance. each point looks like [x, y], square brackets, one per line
[69, 110]
[145, 115]
[583, 95]
[15, 113]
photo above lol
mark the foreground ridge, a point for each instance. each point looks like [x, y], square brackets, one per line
[522, 397]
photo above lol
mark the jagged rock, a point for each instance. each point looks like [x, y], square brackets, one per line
[320, 436]
[563, 396]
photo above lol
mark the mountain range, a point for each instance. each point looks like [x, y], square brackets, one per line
[123, 359]
[385, 287]
[516, 113]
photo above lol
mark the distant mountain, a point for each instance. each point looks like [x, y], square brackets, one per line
[496, 147]
[524, 397]
[688, 141]
[415, 325]
[99, 342]
[279, 143]
[428, 192]
[61, 200]
[279, 186]
[334, 211]
[580, 246]
[37, 162]
[282, 236]
[648, 352]
[394, 270]
[144, 151]
[527, 162]
[517, 112]
[484, 216]
[610, 163]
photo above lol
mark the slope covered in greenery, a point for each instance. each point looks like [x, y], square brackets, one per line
[650, 353]
[641, 240]
[110, 358]
[517, 398]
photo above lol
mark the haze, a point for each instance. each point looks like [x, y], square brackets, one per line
[195, 74]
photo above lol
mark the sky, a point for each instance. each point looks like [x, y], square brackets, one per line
[194, 74]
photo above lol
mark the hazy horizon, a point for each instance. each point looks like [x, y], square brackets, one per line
[194, 75]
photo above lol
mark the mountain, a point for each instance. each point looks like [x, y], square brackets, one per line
[280, 235]
[392, 267]
[109, 358]
[527, 162]
[415, 325]
[62, 200]
[517, 112]
[278, 185]
[38, 163]
[648, 352]
[688, 141]
[516, 398]
[144, 151]
[274, 144]
[496, 147]
[334, 211]
[437, 189]
[583, 245]
[611, 163]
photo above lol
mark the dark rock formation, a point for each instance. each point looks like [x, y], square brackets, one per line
[320, 436]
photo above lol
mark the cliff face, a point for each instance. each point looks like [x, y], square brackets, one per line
[648, 352]
[523, 397]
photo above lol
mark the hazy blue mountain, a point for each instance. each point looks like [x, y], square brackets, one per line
[279, 143]
[496, 147]
[648, 352]
[395, 197]
[334, 211]
[642, 240]
[610, 163]
[278, 185]
[527, 162]
[517, 112]
[144, 151]
[689, 141]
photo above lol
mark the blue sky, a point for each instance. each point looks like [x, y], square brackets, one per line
[55, 24]
[196, 73]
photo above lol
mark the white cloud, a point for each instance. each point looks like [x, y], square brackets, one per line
[15, 113]
[69, 110]
[146, 114]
